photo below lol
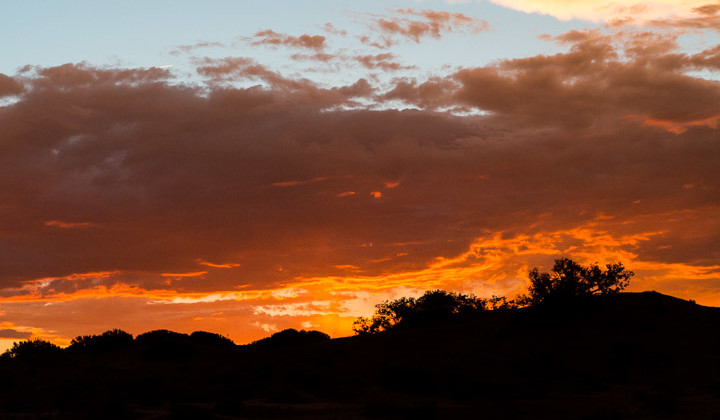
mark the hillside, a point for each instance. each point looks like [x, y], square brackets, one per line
[628, 355]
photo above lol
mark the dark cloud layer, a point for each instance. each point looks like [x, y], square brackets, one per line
[170, 186]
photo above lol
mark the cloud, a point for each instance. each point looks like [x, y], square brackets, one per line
[10, 333]
[638, 76]
[192, 274]
[418, 24]
[384, 61]
[77, 75]
[268, 328]
[67, 225]
[294, 183]
[187, 49]
[234, 69]
[9, 86]
[332, 30]
[704, 17]
[432, 93]
[270, 37]
[599, 11]
[595, 80]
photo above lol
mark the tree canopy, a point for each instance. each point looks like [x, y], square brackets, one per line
[32, 349]
[569, 279]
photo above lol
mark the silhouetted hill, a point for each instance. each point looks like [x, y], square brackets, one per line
[627, 355]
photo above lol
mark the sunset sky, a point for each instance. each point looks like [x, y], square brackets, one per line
[243, 167]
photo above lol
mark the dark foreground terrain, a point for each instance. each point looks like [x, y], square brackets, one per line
[628, 355]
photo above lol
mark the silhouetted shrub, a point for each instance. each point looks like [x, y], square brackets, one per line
[435, 306]
[33, 349]
[292, 337]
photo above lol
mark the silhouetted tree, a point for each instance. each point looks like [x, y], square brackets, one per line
[569, 279]
[34, 349]
[108, 341]
[435, 306]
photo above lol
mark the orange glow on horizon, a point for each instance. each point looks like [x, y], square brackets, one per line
[496, 264]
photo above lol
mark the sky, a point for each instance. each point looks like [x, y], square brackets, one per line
[242, 167]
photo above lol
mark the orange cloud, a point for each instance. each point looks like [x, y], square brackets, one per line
[602, 77]
[192, 274]
[384, 61]
[227, 265]
[68, 225]
[270, 37]
[331, 29]
[418, 24]
[681, 127]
